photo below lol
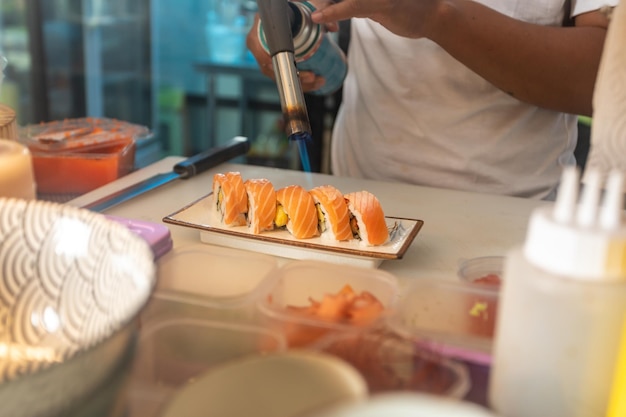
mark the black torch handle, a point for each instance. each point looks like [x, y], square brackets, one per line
[206, 160]
[277, 16]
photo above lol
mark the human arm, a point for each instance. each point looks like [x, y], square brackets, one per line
[548, 66]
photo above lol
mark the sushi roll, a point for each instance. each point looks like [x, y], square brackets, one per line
[295, 210]
[367, 218]
[261, 205]
[332, 213]
[230, 198]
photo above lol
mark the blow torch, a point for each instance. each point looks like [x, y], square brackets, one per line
[277, 18]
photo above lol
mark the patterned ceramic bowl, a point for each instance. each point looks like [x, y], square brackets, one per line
[71, 285]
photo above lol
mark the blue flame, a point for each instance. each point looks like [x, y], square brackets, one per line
[301, 140]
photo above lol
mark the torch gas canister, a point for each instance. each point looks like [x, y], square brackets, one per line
[314, 50]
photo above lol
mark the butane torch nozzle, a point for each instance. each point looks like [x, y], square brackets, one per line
[291, 96]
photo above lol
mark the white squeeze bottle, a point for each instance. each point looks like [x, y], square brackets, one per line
[562, 306]
[617, 401]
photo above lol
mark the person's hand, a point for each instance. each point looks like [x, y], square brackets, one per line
[308, 80]
[408, 18]
[253, 43]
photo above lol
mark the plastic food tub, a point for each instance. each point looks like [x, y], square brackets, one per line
[485, 270]
[173, 353]
[459, 316]
[295, 289]
[75, 156]
[390, 362]
[453, 319]
[210, 282]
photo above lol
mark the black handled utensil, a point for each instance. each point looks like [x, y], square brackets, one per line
[183, 170]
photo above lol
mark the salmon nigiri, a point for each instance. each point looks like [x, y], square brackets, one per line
[367, 218]
[230, 198]
[332, 212]
[261, 205]
[295, 209]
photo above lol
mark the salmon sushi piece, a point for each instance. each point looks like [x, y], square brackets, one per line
[230, 198]
[295, 210]
[332, 212]
[261, 205]
[367, 218]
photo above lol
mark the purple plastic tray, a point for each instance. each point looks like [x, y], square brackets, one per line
[157, 235]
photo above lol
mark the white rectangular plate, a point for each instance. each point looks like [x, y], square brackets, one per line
[201, 215]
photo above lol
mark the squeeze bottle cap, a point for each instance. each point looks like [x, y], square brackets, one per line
[581, 240]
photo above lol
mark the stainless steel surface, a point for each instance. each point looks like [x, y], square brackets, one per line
[132, 191]
[277, 16]
[291, 95]
[308, 34]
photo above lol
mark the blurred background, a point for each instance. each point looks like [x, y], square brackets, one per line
[179, 67]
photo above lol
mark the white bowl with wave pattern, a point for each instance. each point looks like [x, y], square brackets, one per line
[71, 286]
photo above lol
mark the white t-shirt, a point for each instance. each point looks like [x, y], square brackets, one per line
[414, 114]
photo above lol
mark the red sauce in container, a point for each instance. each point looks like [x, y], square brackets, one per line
[75, 156]
[489, 279]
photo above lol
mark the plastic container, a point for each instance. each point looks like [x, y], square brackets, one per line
[455, 320]
[210, 282]
[300, 283]
[457, 315]
[484, 270]
[173, 353]
[391, 362]
[78, 155]
[157, 235]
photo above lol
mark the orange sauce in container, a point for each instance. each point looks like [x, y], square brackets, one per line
[78, 155]
[81, 172]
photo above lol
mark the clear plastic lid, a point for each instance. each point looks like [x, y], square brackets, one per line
[80, 135]
[484, 270]
[308, 299]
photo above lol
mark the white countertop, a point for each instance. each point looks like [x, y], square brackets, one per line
[457, 225]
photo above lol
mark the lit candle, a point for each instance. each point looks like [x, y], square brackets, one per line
[16, 171]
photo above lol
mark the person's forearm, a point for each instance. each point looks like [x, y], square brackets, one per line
[551, 67]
